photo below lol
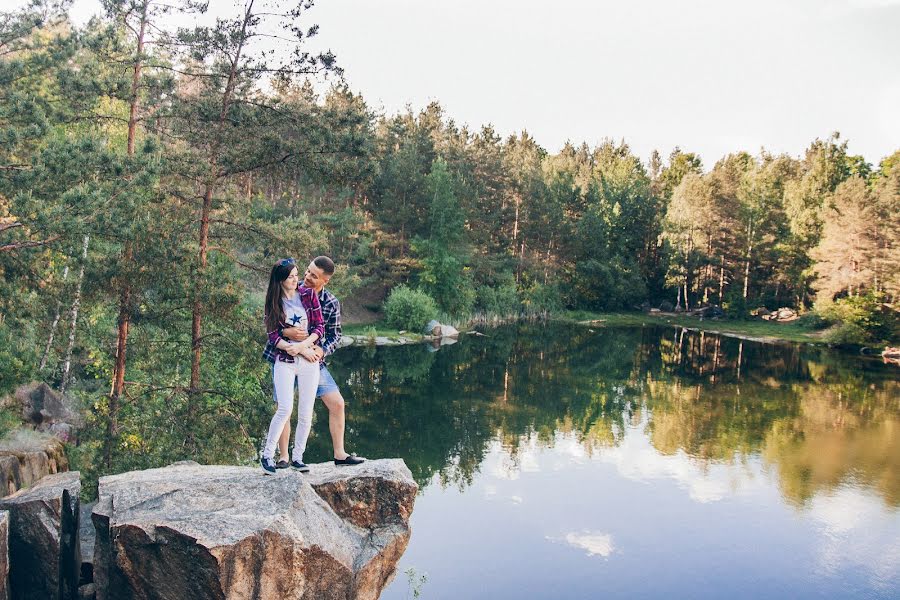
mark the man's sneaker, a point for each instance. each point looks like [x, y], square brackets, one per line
[299, 465]
[268, 466]
[351, 459]
[282, 464]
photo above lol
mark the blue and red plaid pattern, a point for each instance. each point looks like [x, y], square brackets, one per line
[331, 313]
[310, 302]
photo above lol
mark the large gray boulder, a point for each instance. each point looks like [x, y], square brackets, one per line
[26, 456]
[437, 329]
[45, 560]
[41, 405]
[192, 531]
[45, 410]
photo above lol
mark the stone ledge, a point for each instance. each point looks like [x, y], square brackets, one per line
[192, 531]
[27, 456]
[45, 558]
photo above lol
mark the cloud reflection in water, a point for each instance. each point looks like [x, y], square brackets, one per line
[596, 543]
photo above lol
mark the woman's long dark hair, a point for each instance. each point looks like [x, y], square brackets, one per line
[274, 293]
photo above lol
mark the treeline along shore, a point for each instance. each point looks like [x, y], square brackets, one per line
[150, 174]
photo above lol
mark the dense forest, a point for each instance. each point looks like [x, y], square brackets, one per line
[150, 174]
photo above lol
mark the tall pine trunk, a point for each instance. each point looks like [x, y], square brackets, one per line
[125, 292]
[209, 189]
[749, 257]
[722, 281]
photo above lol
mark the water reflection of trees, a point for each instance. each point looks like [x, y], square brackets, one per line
[841, 432]
[818, 417]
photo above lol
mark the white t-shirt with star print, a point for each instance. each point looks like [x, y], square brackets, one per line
[294, 313]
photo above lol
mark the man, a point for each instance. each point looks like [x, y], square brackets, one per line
[318, 273]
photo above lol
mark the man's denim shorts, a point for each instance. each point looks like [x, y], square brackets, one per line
[326, 382]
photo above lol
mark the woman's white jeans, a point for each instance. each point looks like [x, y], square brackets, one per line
[284, 375]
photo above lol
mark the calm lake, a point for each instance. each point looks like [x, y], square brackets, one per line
[559, 462]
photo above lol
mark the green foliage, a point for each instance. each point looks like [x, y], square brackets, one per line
[608, 284]
[18, 358]
[501, 300]
[476, 222]
[444, 275]
[813, 320]
[735, 306]
[415, 582]
[849, 334]
[680, 164]
[889, 164]
[540, 299]
[406, 308]
[445, 279]
[9, 420]
[861, 320]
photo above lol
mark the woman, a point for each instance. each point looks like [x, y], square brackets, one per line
[294, 363]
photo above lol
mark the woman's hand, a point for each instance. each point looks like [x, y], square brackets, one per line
[295, 349]
[310, 354]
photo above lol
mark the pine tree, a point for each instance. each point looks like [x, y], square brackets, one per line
[844, 256]
[231, 130]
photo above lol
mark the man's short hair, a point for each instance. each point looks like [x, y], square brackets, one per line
[324, 263]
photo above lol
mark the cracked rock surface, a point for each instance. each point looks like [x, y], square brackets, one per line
[192, 531]
[45, 559]
[27, 456]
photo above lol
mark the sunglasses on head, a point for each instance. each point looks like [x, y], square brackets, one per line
[285, 262]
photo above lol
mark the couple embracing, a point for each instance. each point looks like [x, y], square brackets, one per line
[303, 321]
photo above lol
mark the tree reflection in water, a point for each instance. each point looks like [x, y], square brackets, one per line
[818, 417]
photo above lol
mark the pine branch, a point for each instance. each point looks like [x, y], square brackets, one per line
[230, 255]
[31, 244]
[9, 225]
[278, 161]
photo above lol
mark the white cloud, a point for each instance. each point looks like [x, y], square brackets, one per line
[854, 529]
[528, 462]
[636, 458]
[596, 543]
[569, 445]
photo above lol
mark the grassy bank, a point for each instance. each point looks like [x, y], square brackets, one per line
[378, 329]
[755, 330]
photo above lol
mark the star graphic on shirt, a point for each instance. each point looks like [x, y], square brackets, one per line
[295, 319]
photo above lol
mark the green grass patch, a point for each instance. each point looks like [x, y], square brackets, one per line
[793, 331]
[378, 329]
[9, 420]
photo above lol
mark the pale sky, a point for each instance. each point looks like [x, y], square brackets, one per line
[710, 76]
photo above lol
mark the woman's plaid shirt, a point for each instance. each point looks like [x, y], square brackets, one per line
[310, 301]
[331, 315]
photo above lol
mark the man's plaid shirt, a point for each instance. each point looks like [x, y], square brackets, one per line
[331, 314]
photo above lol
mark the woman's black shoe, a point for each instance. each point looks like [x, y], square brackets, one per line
[282, 464]
[351, 459]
